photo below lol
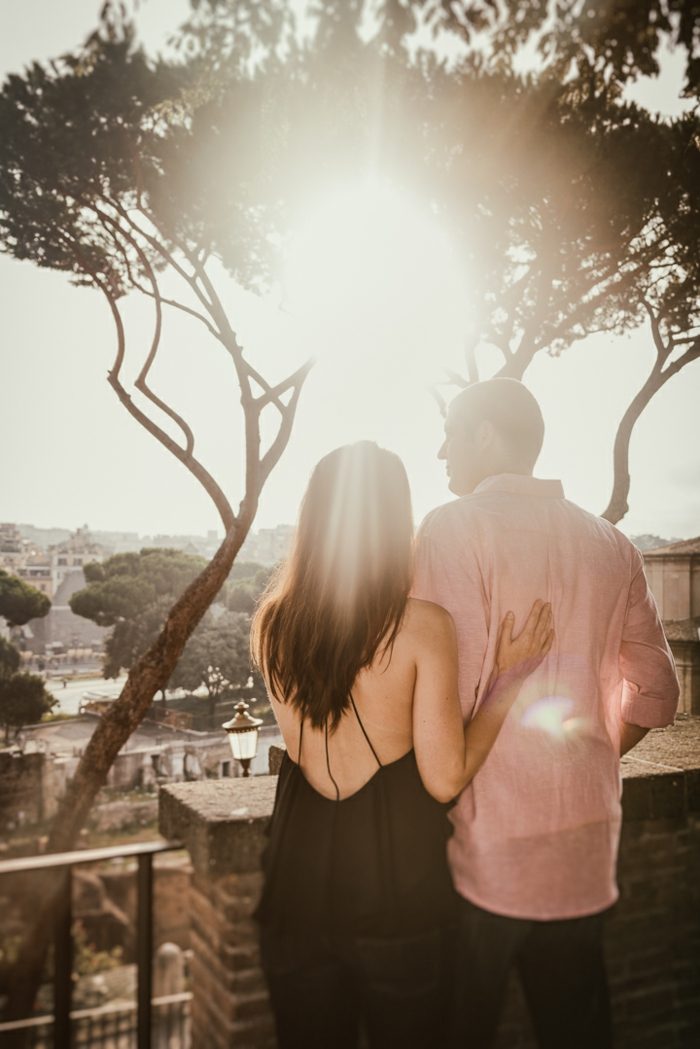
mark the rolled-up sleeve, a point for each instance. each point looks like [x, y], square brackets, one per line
[650, 691]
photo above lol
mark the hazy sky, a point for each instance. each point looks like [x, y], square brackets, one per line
[74, 455]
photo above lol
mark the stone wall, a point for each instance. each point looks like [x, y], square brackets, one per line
[686, 655]
[653, 940]
[30, 787]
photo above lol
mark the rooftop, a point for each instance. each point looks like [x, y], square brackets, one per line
[682, 629]
[684, 548]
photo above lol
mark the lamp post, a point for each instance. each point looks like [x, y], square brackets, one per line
[242, 731]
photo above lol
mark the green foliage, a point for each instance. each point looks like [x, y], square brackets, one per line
[88, 960]
[23, 701]
[96, 116]
[20, 602]
[243, 595]
[132, 593]
[222, 642]
[9, 659]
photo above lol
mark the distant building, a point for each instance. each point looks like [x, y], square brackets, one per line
[42, 538]
[36, 571]
[69, 556]
[268, 546]
[15, 549]
[58, 573]
[673, 572]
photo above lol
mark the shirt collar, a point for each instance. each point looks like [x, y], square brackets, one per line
[521, 484]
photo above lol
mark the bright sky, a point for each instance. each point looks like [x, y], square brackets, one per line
[74, 455]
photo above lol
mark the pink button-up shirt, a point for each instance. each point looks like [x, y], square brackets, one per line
[536, 832]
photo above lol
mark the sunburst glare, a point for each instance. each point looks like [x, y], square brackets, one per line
[369, 272]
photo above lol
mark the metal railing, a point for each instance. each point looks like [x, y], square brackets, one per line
[112, 1026]
[66, 1022]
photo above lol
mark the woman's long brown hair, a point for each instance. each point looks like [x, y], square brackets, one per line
[342, 594]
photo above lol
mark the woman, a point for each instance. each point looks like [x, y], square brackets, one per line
[357, 906]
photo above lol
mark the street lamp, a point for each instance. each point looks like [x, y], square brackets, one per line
[242, 731]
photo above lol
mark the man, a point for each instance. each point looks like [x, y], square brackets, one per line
[535, 838]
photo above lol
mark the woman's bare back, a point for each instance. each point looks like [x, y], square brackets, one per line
[383, 695]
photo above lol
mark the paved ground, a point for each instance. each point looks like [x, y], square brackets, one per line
[73, 694]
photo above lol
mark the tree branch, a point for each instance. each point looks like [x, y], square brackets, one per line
[272, 455]
[618, 506]
[228, 518]
[662, 350]
[141, 380]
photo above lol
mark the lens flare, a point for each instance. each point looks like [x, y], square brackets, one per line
[551, 714]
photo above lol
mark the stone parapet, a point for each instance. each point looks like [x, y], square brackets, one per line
[222, 824]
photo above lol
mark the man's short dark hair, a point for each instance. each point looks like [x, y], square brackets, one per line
[512, 410]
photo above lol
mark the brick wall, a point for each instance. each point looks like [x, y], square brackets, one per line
[653, 934]
[653, 938]
[229, 1004]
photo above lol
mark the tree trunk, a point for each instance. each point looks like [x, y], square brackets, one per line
[618, 506]
[149, 674]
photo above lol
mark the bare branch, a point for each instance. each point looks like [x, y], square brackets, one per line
[439, 400]
[686, 358]
[273, 393]
[186, 309]
[618, 506]
[218, 497]
[662, 350]
[141, 380]
[272, 455]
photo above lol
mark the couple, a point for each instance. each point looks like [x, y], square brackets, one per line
[506, 661]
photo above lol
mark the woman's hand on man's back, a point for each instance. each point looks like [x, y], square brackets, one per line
[522, 654]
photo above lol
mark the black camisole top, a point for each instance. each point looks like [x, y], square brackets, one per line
[371, 864]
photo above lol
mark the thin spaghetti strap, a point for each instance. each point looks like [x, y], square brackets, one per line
[301, 736]
[364, 732]
[328, 765]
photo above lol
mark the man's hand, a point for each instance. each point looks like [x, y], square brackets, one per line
[630, 736]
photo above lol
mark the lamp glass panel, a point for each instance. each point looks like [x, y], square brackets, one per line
[244, 743]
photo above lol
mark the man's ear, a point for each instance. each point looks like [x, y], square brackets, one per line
[485, 435]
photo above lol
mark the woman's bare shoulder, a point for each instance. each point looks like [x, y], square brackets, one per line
[427, 621]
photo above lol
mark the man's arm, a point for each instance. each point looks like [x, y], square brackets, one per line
[447, 573]
[650, 692]
[630, 736]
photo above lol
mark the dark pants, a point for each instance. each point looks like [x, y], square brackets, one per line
[324, 992]
[561, 968]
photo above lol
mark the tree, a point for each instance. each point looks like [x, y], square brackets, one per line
[585, 235]
[20, 602]
[132, 593]
[617, 42]
[245, 590]
[23, 701]
[543, 178]
[99, 163]
[217, 656]
[595, 50]
[23, 697]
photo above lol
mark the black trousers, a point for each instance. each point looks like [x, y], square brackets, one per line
[329, 993]
[561, 968]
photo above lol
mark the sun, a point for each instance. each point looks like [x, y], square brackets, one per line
[369, 271]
